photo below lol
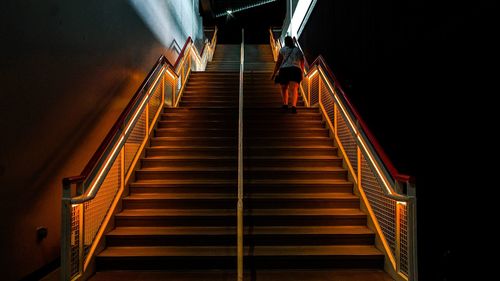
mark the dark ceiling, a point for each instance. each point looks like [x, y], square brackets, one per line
[256, 21]
[216, 7]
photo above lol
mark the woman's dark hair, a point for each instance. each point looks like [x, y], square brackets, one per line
[289, 42]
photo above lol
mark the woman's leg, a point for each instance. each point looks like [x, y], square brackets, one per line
[284, 94]
[294, 88]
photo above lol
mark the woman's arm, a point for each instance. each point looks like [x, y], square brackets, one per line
[277, 65]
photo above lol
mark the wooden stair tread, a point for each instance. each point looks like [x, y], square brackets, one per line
[253, 181]
[233, 168]
[229, 230]
[203, 196]
[232, 212]
[214, 251]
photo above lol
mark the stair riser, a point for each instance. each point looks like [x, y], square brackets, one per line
[263, 188]
[195, 142]
[197, 133]
[230, 240]
[302, 175]
[190, 152]
[287, 142]
[286, 132]
[230, 203]
[185, 175]
[255, 151]
[209, 104]
[229, 262]
[222, 124]
[256, 163]
[219, 125]
[292, 220]
[189, 163]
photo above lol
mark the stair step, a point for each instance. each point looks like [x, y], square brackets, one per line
[226, 217]
[225, 235]
[228, 186]
[223, 257]
[227, 200]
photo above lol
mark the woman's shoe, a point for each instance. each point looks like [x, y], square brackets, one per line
[294, 110]
[284, 107]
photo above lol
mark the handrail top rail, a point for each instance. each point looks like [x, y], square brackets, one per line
[373, 140]
[115, 129]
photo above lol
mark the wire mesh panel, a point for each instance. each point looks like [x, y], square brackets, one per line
[327, 101]
[348, 141]
[169, 90]
[185, 69]
[314, 90]
[75, 239]
[384, 208]
[155, 102]
[134, 141]
[95, 210]
[403, 239]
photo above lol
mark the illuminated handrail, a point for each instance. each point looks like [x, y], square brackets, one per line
[111, 166]
[240, 163]
[392, 210]
[380, 151]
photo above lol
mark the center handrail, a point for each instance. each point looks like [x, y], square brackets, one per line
[240, 161]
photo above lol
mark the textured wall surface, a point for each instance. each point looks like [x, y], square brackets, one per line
[68, 69]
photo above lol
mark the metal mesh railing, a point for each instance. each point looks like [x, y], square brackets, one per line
[348, 141]
[384, 208]
[403, 237]
[314, 90]
[88, 208]
[134, 140]
[396, 228]
[75, 239]
[96, 209]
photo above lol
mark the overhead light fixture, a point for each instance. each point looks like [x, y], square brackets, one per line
[231, 12]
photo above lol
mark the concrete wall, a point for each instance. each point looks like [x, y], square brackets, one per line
[68, 69]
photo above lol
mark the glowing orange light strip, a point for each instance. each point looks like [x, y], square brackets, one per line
[384, 179]
[170, 74]
[313, 73]
[119, 144]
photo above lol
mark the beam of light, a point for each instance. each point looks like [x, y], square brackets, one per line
[170, 20]
[300, 16]
[232, 11]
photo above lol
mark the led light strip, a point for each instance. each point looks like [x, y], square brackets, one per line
[361, 140]
[122, 138]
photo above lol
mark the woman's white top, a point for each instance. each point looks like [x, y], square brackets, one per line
[291, 57]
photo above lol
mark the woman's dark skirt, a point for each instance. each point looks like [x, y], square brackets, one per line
[288, 74]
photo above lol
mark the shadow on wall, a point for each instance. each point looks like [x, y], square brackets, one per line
[68, 70]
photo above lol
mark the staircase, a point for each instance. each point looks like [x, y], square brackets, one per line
[302, 213]
[180, 213]
[300, 210]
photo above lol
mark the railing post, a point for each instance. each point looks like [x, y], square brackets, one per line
[66, 232]
[412, 232]
[81, 235]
